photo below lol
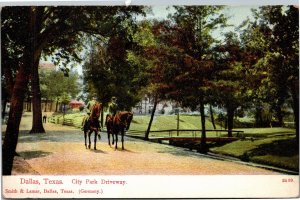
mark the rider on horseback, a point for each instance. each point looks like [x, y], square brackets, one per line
[113, 106]
[112, 111]
[89, 107]
[90, 104]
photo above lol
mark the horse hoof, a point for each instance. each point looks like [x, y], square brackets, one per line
[95, 148]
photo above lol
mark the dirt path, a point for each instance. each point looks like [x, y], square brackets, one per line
[61, 151]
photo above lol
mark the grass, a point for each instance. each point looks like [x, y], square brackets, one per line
[279, 151]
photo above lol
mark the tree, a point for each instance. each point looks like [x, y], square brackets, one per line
[47, 29]
[284, 25]
[54, 84]
[145, 58]
[274, 41]
[11, 50]
[193, 39]
[108, 71]
[179, 54]
[18, 93]
[230, 87]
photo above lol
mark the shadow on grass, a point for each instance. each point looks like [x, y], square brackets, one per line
[279, 153]
[286, 148]
[33, 154]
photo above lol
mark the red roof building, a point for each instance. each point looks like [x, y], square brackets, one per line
[76, 104]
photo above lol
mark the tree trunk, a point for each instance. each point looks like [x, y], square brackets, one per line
[56, 106]
[15, 115]
[151, 118]
[4, 107]
[258, 116]
[29, 105]
[37, 123]
[46, 101]
[203, 147]
[51, 104]
[9, 83]
[17, 100]
[212, 116]
[230, 117]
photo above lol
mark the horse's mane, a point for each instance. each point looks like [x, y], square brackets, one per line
[96, 110]
[124, 116]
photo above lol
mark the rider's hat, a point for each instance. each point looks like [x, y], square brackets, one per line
[113, 98]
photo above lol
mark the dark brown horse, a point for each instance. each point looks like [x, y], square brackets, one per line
[121, 123]
[109, 128]
[92, 124]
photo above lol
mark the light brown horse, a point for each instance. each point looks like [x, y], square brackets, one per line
[92, 124]
[121, 123]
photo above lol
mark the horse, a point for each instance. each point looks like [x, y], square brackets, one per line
[121, 122]
[91, 124]
[109, 128]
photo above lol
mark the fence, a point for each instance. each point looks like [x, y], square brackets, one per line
[194, 133]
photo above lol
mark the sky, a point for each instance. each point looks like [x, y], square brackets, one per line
[237, 13]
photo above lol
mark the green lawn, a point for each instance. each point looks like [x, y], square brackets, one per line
[280, 151]
[163, 122]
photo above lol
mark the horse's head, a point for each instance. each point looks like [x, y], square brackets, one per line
[123, 118]
[128, 119]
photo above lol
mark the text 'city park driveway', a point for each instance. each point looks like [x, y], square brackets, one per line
[61, 151]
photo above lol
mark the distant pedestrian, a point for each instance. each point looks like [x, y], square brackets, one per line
[45, 118]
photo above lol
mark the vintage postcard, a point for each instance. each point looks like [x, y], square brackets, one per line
[139, 99]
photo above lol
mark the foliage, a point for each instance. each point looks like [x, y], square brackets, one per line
[107, 72]
[273, 38]
[54, 84]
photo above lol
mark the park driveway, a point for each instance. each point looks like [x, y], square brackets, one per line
[61, 151]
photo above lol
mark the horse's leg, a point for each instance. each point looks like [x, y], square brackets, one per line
[85, 134]
[108, 136]
[116, 135]
[113, 135]
[99, 136]
[95, 139]
[90, 132]
[98, 133]
[122, 132]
